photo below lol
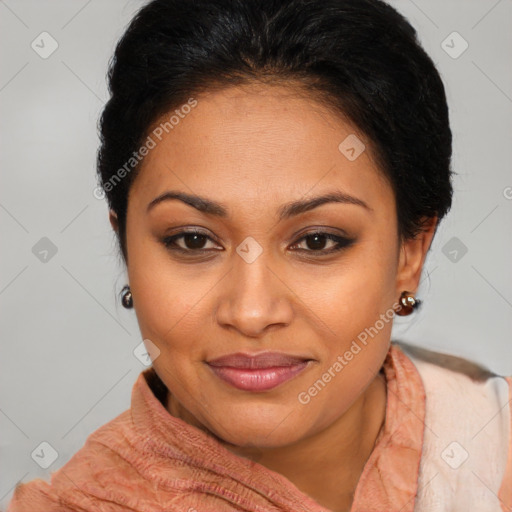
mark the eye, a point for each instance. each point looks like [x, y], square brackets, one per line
[317, 240]
[193, 241]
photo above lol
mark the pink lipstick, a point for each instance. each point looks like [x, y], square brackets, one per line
[260, 372]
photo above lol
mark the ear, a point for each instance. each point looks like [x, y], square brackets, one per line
[412, 256]
[112, 217]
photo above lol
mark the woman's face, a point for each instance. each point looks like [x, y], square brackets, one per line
[251, 282]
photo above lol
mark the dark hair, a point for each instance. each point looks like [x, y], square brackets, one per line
[361, 58]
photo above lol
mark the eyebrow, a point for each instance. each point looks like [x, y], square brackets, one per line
[286, 211]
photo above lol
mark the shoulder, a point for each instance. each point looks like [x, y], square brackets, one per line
[467, 446]
[119, 455]
[437, 360]
[461, 393]
[106, 452]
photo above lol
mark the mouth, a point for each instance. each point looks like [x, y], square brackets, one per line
[260, 372]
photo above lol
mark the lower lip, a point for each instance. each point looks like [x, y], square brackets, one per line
[261, 379]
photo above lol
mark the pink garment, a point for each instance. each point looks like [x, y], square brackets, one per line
[146, 460]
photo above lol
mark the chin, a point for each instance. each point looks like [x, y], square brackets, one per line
[257, 429]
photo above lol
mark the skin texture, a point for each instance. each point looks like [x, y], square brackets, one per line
[253, 149]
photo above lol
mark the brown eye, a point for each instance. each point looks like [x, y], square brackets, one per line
[191, 241]
[317, 241]
[194, 241]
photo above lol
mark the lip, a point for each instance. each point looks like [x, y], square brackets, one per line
[259, 360]
[259, 372]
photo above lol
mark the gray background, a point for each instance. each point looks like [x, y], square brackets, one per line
[67, 364]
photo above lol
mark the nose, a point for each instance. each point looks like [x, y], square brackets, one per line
[255, 298]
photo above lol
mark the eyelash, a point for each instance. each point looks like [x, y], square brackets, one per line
[341, 242]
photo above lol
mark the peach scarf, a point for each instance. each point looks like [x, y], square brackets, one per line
[146, 460]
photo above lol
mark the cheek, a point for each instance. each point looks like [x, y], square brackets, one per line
[351, 295]
[174, 303]
[170, 305]
[161, 296]
[354, 302]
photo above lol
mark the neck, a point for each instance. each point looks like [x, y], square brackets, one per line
[326, 466]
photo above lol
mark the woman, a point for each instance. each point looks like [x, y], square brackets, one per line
[276, 172]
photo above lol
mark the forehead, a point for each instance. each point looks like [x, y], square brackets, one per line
[257, 143]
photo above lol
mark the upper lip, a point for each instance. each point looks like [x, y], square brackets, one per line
[262, 360]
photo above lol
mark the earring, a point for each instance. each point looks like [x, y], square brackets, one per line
[407, 304]
[126, 297]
